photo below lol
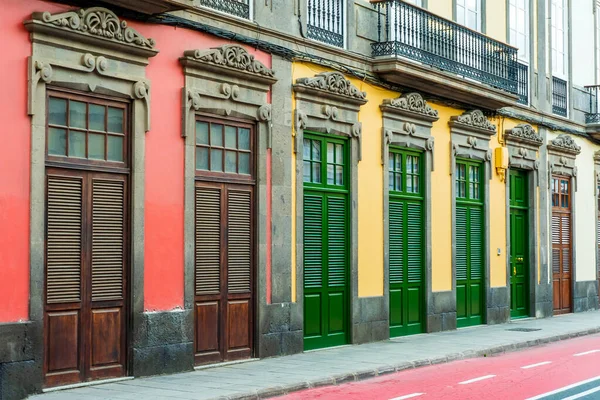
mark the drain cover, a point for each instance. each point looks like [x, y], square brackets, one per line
[524, 329]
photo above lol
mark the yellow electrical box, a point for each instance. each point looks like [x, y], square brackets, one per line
[501, 157]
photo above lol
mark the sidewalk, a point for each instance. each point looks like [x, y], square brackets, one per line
[280, 375]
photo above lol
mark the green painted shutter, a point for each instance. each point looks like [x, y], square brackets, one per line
[396, 234]
[313, 241]
[476, 243]
[414, 236]
[462, 230]
[336, 241]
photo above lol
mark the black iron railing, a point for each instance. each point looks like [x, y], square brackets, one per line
[412, 32]
[239, 8]
[326, 21]
[559, 96]
[593, 116]
[523, 83]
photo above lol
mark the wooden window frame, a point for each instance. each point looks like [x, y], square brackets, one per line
[227, 177]
[324, 140]
[86, 163]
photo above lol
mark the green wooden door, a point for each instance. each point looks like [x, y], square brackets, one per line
[470, 244]
[406, 243]
[326, 240]
[519, 247]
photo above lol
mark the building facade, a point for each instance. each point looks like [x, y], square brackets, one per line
[193, 182]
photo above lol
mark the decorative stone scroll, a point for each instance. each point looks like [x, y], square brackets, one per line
[597, 170]
[471, 133]
[523, 144]
[407, 122]
[562, 152]
[328, 103]
[93, 23]
[233, 57]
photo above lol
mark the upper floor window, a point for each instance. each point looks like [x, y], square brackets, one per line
[597, 44]
[326, 21]
[88, 130]
[239, 8]
[518, 11]
[468, 13]
[560, 192]
[223, 148]
[468, 180]
[404, 172]
[558, 38]
[325, 161]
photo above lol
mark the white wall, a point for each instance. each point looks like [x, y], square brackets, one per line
[585, 204]
[582, 41]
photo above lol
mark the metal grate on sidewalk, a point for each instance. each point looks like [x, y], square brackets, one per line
[524, 329]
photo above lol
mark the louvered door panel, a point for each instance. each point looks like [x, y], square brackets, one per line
[208, 240]
[461, 243]
[336, 240]
[313, 241]
[556, 235]
[414, 245]
[239, 244]
[396, 244]
[64, 232]
[476, 243]
[108, 234]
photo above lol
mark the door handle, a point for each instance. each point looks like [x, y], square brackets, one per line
[514, 270]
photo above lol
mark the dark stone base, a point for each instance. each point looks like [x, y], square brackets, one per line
[498, 305]
[20, 370]
[441, 312]
[543, 301]
[370, 320]
[163, 343]
[167, 359]
[20, 379]
[280, 330]
[586, 296]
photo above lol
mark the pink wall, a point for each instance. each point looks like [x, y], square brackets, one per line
[164, 161]
[14, 158]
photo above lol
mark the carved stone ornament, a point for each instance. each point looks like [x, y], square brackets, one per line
[475, 119]
[564, 143]
[597, 156]
[98, 22]
[232, 56]
[413, 102]
[524, 133]
[334, 83]
[264, 112]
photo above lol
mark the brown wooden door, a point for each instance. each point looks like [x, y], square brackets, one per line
[598, 239]
[561, 245]
[224, 241]
[86, 257]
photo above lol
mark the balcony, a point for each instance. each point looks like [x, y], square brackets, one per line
[559, 97]
[325, 21]
[418, 49]
[238, 8]
[592, 117]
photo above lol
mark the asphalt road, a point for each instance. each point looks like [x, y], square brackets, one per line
[564, 370]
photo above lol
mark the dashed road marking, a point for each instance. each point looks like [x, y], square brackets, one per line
[585, 353]
[537, 365]
[583, 394]
[481, 378]
[408, 396]
[562, 389]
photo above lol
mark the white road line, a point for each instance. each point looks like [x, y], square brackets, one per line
[537, 365]
[476, 379]
[562, 389]
[408, 396]
[583, 394]
[585, 353]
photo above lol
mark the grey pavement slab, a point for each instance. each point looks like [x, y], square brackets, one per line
[276, 376]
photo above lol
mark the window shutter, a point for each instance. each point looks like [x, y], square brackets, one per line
[598, 246]
[415, 241]
[108, 231]
[336, 234]
[63, 257]
[396, 234]
[556, 237]
[476, 244]
[239, 243]
[208, 240]
[313, 241]
[461, 242]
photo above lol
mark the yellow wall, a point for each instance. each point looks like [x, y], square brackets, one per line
[441, 202]
[370, 196]
[495, 19]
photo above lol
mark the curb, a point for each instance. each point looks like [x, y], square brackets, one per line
[390, 369]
